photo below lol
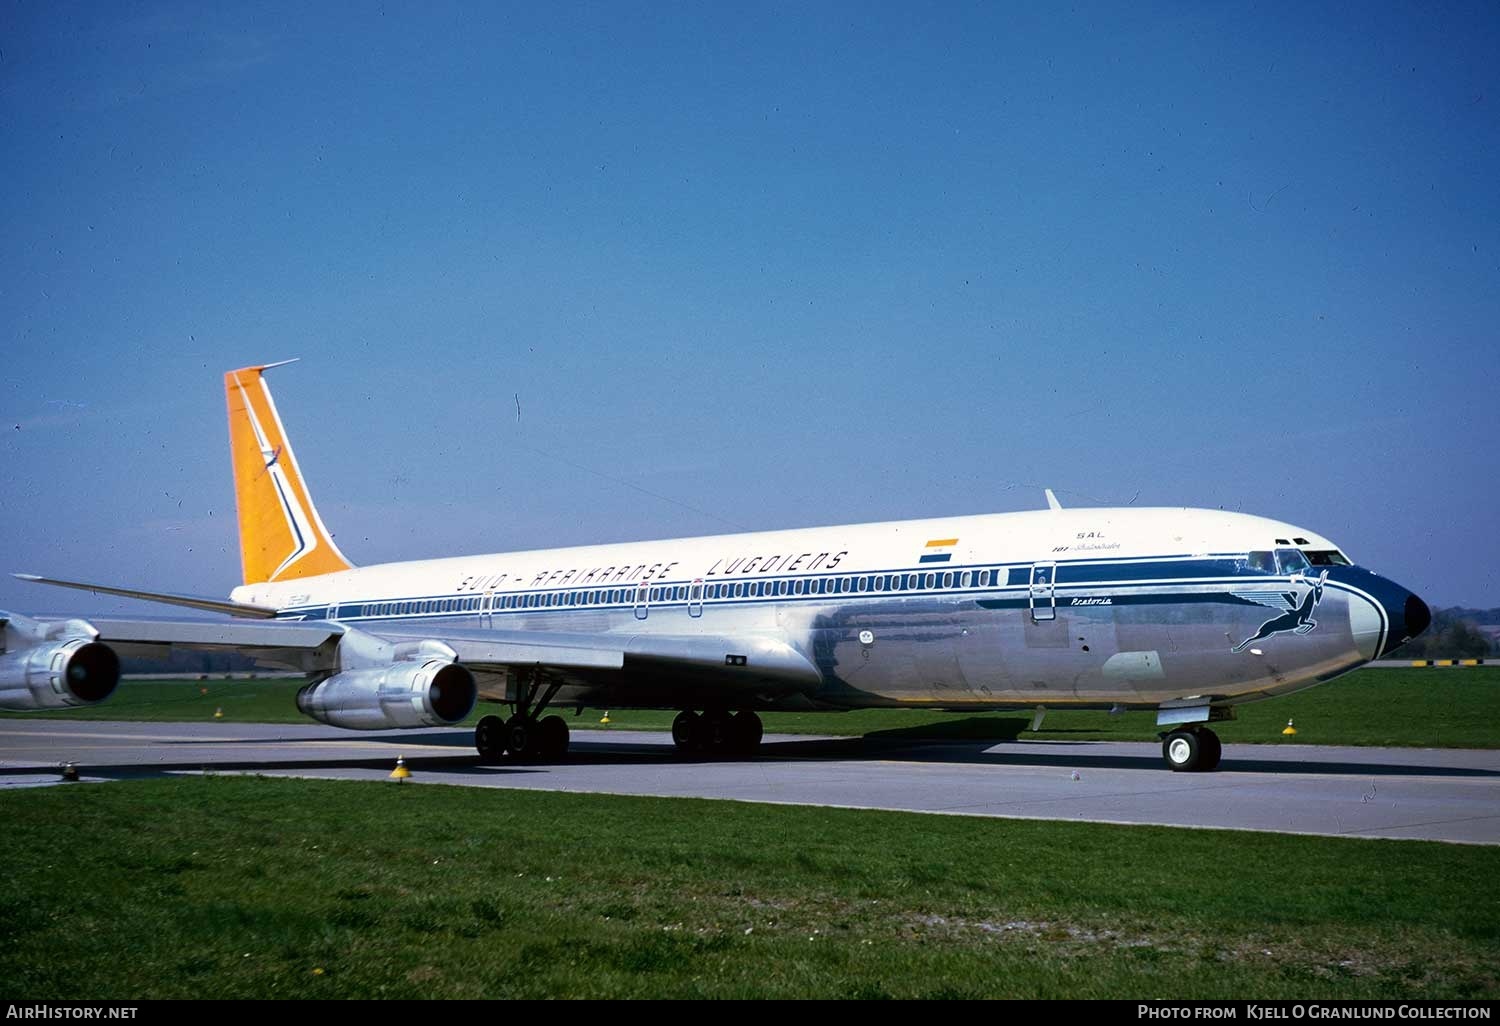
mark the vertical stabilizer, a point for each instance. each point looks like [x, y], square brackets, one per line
[281, 535]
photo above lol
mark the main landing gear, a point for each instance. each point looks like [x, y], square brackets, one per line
[717, 732]
[1192, 749]
[527, 735]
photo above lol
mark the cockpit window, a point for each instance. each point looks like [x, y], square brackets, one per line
[1326, 557]
[1292, 561]
[1261, 562]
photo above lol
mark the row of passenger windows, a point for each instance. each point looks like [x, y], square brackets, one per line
[870, 584]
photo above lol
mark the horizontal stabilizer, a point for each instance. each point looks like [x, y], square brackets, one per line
[211, 605]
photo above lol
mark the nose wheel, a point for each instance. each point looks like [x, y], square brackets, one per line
[1192, 750]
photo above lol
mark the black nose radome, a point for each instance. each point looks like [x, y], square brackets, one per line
[1418, 616]
[1409, 616]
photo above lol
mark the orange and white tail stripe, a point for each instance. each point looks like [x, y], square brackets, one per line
[281, 535]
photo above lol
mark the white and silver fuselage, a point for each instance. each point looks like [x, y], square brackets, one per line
[1075, 607]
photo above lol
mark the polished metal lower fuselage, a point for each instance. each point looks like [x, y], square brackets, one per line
[1100, 646]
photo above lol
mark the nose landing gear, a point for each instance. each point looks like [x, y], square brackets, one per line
[1192, 749]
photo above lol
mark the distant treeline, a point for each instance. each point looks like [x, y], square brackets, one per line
[1475, 615]
[1454, 634]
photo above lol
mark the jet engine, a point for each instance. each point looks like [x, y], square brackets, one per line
[425, 693]
[56, 670]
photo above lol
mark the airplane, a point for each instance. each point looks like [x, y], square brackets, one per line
[1186, 612]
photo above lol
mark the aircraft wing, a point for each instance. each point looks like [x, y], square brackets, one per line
[603, 663]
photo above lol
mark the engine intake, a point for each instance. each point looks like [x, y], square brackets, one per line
[74, 672]
[432, 693]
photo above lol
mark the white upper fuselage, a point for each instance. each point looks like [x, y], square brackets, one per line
[1004, 538]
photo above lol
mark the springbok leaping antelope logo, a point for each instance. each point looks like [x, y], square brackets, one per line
[1297, 618]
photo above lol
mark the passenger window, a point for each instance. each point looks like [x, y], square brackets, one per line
[948, 580]
[931, 579]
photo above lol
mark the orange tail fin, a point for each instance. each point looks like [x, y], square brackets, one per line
[281, 535]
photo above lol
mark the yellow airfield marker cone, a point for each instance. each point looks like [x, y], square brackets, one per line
[219, 712]
[1290, 730]
[605, 717]
[400, 772]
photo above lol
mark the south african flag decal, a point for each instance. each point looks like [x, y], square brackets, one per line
[939, 550]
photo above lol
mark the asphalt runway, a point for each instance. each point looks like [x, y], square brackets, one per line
[1409, 793]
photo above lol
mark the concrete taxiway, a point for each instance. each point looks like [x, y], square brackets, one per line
[1429, 794]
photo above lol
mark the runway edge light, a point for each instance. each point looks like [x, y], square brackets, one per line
[400, 773]
[1290, 730]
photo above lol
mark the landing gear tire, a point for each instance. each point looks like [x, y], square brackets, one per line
[684, 727]
[711, 731]
[1212, 750]
[489, 738]
[1182, 751]
[552, 738]
[521, 738]
[1195, 750]
[744, 734]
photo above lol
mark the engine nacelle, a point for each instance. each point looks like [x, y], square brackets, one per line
[57, 675]
[428, 693]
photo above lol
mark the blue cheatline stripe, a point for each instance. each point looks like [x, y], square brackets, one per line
[1159, 570]
[942, 557]
[1157, 599]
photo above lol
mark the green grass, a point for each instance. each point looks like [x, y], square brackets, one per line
[1458, 708]
[246, 887]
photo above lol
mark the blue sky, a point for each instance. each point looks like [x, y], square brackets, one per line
[755, 267]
